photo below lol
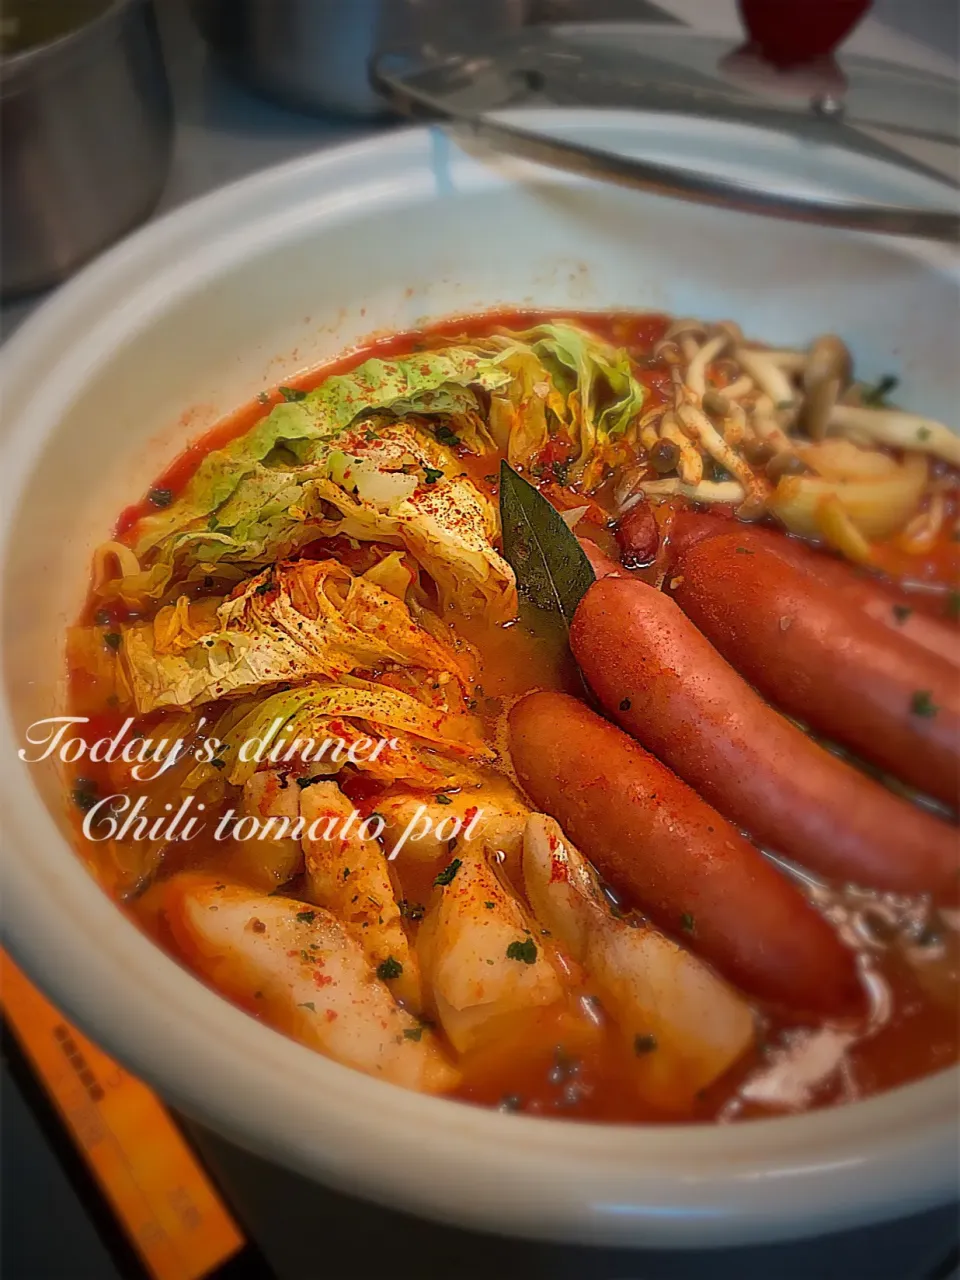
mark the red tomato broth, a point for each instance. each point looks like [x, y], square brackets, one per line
[520, 1071]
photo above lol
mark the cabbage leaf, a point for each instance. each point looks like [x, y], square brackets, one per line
[370, 454]
[448, 526]
[432, 748]
[302, 430]
[592, 391]
[295, 622]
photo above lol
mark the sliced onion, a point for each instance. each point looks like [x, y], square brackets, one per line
[108, 559]
[836, 527]
[573, 517]
[839, 459]
[899, 429]
[877, 507]
[383, 489]
[920, 535]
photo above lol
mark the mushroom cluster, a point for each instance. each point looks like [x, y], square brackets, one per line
[788, 433]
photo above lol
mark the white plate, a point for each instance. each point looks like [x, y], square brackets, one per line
[238, 291]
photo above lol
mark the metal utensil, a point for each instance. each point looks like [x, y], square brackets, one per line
[313, 54]
[85, 136]
[685, 76]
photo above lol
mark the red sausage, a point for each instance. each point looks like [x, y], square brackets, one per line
[638, 537]
[600, 562]
[822, 659]
[687, 528]
[662, 847]
[668, 687]
[883, 602]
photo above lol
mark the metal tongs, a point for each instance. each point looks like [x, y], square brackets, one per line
[464, 91]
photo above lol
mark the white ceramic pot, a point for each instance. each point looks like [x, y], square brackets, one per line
[190, 318]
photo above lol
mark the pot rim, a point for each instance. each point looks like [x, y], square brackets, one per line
[19, 70]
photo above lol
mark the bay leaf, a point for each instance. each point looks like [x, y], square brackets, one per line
[552, 571]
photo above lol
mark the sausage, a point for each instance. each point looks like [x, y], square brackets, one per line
[638, 537]
[885, 603]
[687, 528]
[823, 659]
[656, 842]
[600, 562]
[664, 683]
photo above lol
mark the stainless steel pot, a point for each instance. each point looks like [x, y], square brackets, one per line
[85, 136]
[313, 54]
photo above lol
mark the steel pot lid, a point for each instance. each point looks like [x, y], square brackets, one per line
[900, 125]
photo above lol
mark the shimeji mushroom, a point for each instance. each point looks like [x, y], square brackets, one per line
[731, 415]
[690, 463]
[699, 427]
[646, 428]
[686, 333]
[765, 426]
[789, 361]
[740, 387]
[715, 403]
[898, 429]
[772, 379]
[707, 491]
[826, 375]
[695, 379]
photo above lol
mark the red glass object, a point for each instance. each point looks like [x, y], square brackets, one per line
[791, 32]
